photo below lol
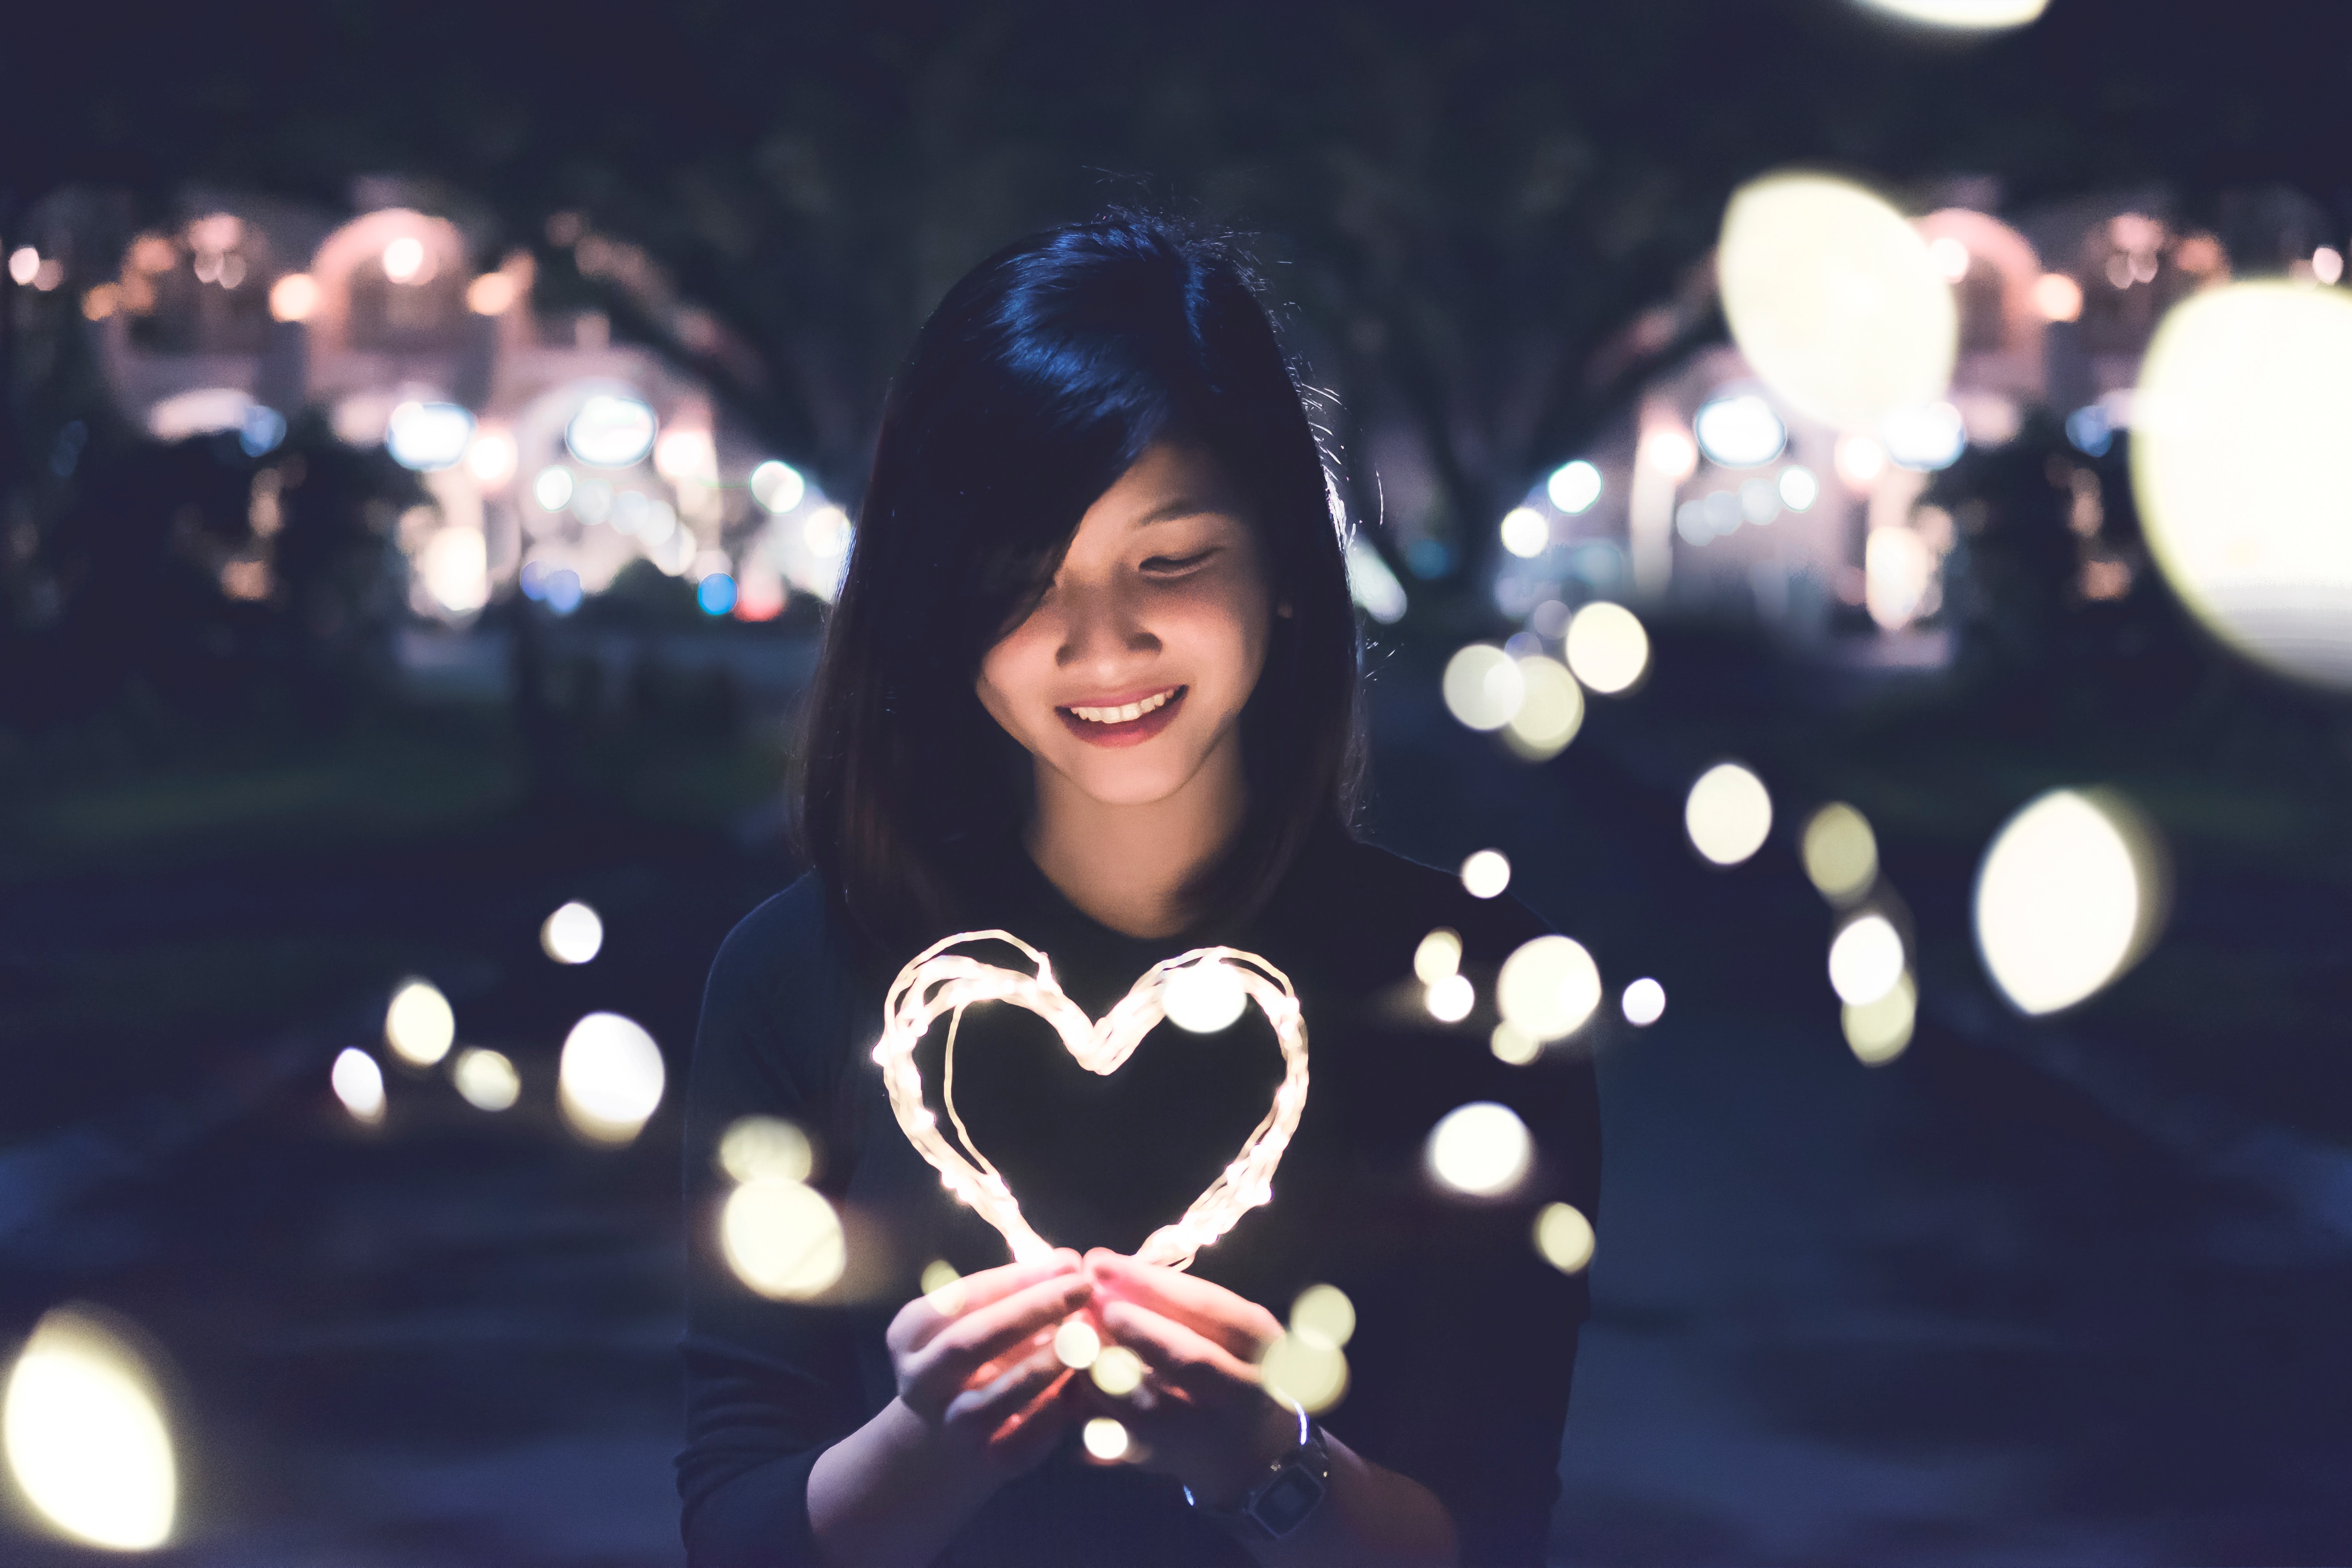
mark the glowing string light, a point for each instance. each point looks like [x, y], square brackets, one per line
[938, 981]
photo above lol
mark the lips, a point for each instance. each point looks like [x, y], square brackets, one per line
[1131, 721]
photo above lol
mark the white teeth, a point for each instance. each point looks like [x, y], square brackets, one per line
[1122, 715]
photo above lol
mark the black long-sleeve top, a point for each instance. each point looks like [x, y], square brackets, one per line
[1460, 1363]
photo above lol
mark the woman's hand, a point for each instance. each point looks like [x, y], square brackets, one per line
[1203, 1413]
[976, 1365]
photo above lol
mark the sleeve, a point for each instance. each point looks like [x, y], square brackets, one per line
[769, 1384]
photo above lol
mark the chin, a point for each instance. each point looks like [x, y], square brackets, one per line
[1130, 780]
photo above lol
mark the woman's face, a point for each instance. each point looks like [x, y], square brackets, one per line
[1133, 668]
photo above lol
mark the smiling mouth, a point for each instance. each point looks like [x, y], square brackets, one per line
[1125, 723]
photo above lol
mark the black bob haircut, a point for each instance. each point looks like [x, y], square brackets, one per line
[1039, 380]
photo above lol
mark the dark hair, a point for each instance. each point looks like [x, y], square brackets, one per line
[1039, 380]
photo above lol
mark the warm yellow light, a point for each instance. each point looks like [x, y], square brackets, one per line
[1669, 451]
[1104, 1438]
[1859, 460]
[2243, 473]
[1897, 569]
[1728, 814]
[1510, 1045]
[1485, 873]
[686, 456]
[491, 458]
[1076, 1344]
[1322, 1315]
[1481, 1149]
[782, 1239]
[769, 1148]
[1305, 1372]
[1438, 955]
[86, 1437]
[1834, 299]
[1877, 1031]
[293, 297]
[455, 566]
[486, 1079]
[1548, 988]
[1550, 711]
[101, 301]
[1564, 1237]
[1484, 687]
[1606, 648]
[23, 265]
[1643, 1003]
[1118, 1372]
[1449, 1000]
[419, 1025]
[1524, 533]
[938, 1274]
[572, 934]
[1204, 998]
[1865, 960]
[405, 260]
[609, 1077]
[2068, 897]
[492, 294]
[358, 1082]
[1841, 852]
[1963, 16]
[2058, 296]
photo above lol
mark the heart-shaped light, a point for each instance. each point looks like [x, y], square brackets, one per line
[939, 981]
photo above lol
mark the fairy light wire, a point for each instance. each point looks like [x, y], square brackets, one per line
[942, 980]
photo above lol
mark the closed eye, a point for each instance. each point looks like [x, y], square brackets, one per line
[1169, 564]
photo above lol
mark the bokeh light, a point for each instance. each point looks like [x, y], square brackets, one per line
[1550, 712]
[428, 436]
[1481, 1149]
[2239, 466]
[1835, 299]
[777, 486]
[1606, 648]
[1438, 955]
[1076, 1344]
[1962, 16]
[769, 1148]
[1644, 1003]
[86, 1433]
[1840, 853]
[1740, 431]
[492, 294]
[1104, 1438]
[1925, 437]
[1322, 1315]
[1668, 451]
[419, 1025]
[405, 260]
[610, 1079]
[1510, 1045]
[1859, 460]
[455, 567]
[611, 431]
[2069, 894]
[1450, 999]
[1865, 960]
[715, 595]
[938, 1274]
[552, 489]
[1574, 487]
[1485, 873]
[491, 458]
[486, 1079]
[1878, 1031]
[572, 934]
[1305, 1372]
[294, 296]
[1204, 998]
[1118, 1372]
[2058, 296]
[358, 1082]
[1799, 488]
[782, 1239]
[1524, 533]
[1548, 988]
[1728, 814]
[1483, 686]
[1564, 1237]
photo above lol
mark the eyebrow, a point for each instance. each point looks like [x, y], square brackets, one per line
[1183, 506]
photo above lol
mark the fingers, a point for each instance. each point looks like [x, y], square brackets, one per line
[981, 1334]
[925, 1315]
[1243, 1327]
[1191, 1362]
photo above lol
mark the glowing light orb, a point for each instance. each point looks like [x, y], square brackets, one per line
[1449, 1000]
[1859, 460]
[1643, 1003]
[1438, 955]
[1840, 853]
[552, 490]
[1865, 960]
[486, 1079]
[428, 436]
[358, 1082]
[826, 532]
[609, 1077]
[1799, 488]
[1510, 1046]
[769, 1148]
[938, 1274]
[1739, 432]
[1548, 988]
[1574, 487]
[1550, 712]
[1564, 1237]
[1104, 1438]
[2242, 474]
[611, 431]
[2058, 296]
[1524, 533]
[1486, 874]
[1305, 1372]
[1322, 1314]
[1834, 299]
[418, 1024]
[777, 486]
[782, 1239]
[2067, 898]
[86, 1435]
[1484, 687]
[1481, 1149]
[491, 458]
[1962, 16]
[492, 294]
[1204, 999]
[1118, 1372]
[572, 934]
[1606, 648]
[683, 455]
[293, 297]
[1729, 815]
[1878, 1031]
[403, 261]
[1927, 436]
[1076, 1344]
[1668, 451]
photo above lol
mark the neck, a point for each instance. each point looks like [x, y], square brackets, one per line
[1128, 866]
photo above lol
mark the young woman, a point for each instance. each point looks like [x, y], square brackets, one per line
[1092, 681]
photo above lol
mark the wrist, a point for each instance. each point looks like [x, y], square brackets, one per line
[922, 1447]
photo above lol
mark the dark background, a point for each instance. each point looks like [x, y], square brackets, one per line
[2057, 1291]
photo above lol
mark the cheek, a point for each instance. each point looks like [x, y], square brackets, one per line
[1012, 675]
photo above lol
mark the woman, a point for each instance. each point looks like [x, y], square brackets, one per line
[1092, 681]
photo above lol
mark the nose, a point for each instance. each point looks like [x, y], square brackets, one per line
[1103, 632]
